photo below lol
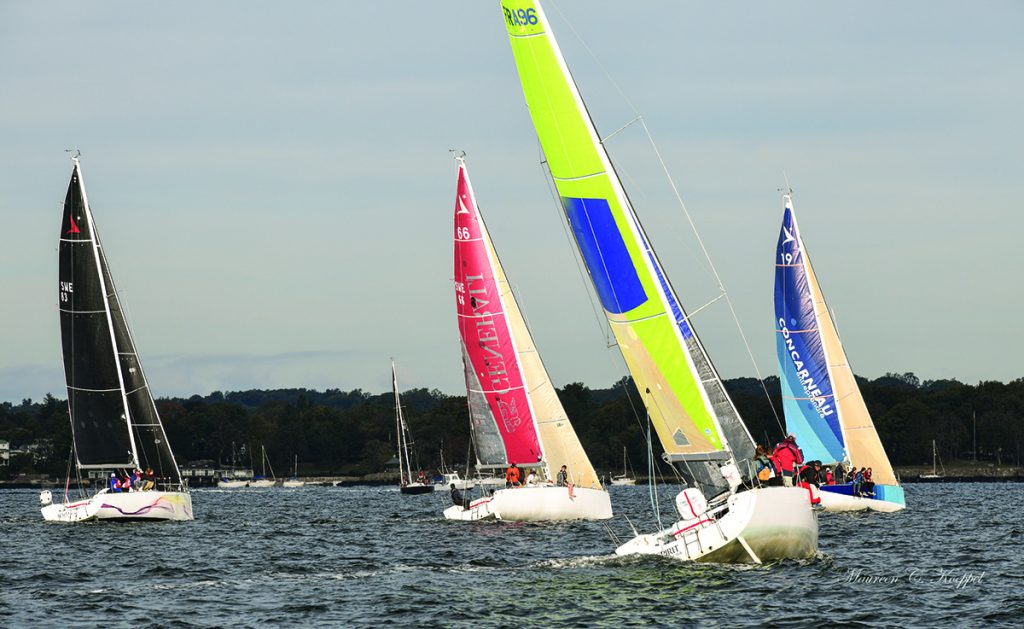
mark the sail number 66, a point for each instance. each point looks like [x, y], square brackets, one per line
[462, 233]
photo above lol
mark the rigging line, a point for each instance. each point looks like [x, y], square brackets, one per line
[572, 249]
[652, 479]
[600, 65]
[714, 270]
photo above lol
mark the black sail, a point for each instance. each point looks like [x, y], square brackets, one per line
[95, 401]
[107, 389]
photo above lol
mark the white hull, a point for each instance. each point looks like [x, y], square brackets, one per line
[262, 482]
[293, 483]
[537, 504]
[840, 503]
[136, 505]
[454, 478]
[232, 484]
[764, 524]
[620, 480]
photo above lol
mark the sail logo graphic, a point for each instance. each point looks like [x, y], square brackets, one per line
[74, 227]
[462, 204]
[509, 415]
[487, 333]
[789, 257]
[811, 389]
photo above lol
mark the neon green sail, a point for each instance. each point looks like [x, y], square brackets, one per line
[694, 417]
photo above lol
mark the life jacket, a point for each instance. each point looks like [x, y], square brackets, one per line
[512, 475]
[788, 456]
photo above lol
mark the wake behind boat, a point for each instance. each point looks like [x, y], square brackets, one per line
[114, 421]
[700, 430]
[823, 405]
[515, 415]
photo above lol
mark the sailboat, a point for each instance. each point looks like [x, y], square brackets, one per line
[294, 480]
[625, 478]
[723, 518]
[935, 470]
[406, 483]
[262, 480]
[114, 422]
[824, 407]
[515, 414]
[236, 477]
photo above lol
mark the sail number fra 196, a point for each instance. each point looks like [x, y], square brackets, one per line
[520, 17]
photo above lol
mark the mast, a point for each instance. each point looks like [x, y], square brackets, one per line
[106, 304]
[399, 425]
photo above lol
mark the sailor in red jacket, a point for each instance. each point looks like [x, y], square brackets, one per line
[788, 456]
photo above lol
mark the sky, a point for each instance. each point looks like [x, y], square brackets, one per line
[274, 187]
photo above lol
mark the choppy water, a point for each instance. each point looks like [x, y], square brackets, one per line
[370, 556]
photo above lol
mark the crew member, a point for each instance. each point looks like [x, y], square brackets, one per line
[789, 457]
[458, 499]
[512, 476]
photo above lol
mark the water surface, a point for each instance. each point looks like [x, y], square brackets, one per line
[370, 556]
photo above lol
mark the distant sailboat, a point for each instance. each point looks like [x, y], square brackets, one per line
[626, 478]
[700, 431]
[263, 480]
[114, 421]
[406, 483]
[935, 471]
[294, 480]
[514, 411]
[235, 477]
[824, 408]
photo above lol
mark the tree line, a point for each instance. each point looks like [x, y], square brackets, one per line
[337, 432]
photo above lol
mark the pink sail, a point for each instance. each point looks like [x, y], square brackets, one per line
[494, 379]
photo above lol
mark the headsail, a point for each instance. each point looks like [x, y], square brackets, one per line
[510, 394]
[697, 424]
[113, 415]
[822, 402]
